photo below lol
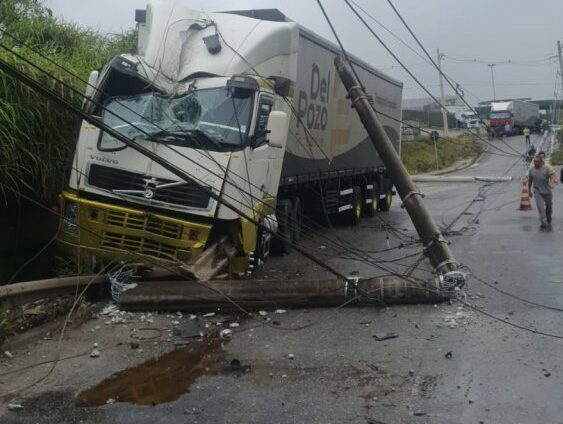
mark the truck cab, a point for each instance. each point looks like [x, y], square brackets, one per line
[212, 94]
[227, 133]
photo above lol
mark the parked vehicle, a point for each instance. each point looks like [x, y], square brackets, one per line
[467, 119]
[281, 145]
[514, 116]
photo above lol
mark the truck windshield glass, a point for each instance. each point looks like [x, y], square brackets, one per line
[500, 115]
[209, 119]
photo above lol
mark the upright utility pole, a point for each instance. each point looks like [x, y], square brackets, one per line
[560, 59]
[491, 66]
[560, 54]
[435, 246]
[442, 99]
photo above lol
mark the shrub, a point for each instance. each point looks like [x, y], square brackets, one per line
[37, 137]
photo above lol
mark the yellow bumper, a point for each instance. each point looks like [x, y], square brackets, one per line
[112, 232]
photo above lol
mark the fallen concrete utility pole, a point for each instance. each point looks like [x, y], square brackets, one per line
[458, 179]
[33, 290]
[436, 247]
[257, 294]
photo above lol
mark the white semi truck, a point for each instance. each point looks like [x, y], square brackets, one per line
[517, 114]
[250, 106]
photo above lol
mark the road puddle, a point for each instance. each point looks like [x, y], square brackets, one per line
[158, 380]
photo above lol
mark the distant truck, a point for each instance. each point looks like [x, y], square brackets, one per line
[517, 114]
[250, 105]
[466, 119]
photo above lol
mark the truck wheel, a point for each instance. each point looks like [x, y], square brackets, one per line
[385, 203]
[370, 209]
[355, 213]
[284, 213]
[297, 219]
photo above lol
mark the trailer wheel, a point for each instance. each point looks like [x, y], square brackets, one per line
[297, 219]
[385, 203]
[355, 213]
[284, 214]
[370, 209]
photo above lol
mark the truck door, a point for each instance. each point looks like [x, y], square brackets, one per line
[261, 155]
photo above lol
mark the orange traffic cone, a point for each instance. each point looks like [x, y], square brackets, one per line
[525, 199]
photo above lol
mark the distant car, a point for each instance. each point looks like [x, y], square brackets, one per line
[472, 123]
[555, 127]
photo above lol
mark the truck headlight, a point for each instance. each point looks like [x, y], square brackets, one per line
[70, 217]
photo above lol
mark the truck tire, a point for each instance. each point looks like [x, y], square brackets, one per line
[370, 209]
[355, 213]
[297, 219]
[284, 214]
[385, 202]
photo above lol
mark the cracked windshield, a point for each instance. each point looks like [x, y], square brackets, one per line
[209, 116]
[313, 211]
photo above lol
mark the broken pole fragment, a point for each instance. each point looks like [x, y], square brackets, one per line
[195, 296]
[435, 245]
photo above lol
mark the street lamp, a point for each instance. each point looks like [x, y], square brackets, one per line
[492, 65]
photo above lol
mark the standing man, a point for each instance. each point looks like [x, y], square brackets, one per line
[507, 130]
[539, 178]
[527, 135]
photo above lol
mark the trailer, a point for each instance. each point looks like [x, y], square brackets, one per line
[513, 114]
[248, 103]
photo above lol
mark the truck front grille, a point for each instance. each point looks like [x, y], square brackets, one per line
[127, 183]
[144, 223]
[140, 245]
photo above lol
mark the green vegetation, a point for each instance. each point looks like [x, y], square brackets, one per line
[37, 137]
[557, 155]
[6, 329]
[419, 156]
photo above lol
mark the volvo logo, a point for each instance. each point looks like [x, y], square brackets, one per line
[149, 193]
[150, 188]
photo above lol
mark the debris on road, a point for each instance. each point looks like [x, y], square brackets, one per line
[453, 320]
[448, 354]
[546, 373]
[95, 353]
[8, 354]
[15, 407]
[290, 356]
[262, 313]
[235, 365]
[234, 324]
[280, 311]
[226, 333]
[385, 336]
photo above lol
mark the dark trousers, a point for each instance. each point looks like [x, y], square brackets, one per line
[527, 139]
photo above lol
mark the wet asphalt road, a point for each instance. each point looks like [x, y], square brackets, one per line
[339, 374]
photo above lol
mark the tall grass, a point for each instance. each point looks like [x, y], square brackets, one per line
[37, 137]
[419, 156]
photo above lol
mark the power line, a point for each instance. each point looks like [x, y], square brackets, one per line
[369, 15]
[433, 62]
[181, 154]
[519, 298]
[414, 77]
[367, 259]
[8, 68]
[504, 62]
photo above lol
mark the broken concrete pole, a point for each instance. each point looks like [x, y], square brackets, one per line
[260, 294]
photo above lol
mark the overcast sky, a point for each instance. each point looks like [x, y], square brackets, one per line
[524, 32]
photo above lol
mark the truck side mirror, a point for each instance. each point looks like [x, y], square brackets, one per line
[277, 128]
[90, 92]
